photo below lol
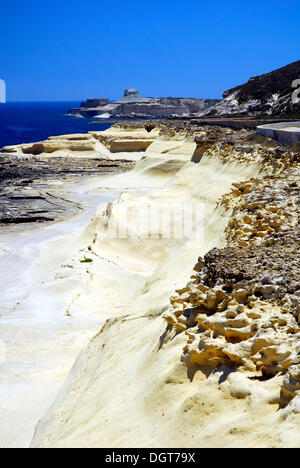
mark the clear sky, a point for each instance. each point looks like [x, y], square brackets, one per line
[72, 50]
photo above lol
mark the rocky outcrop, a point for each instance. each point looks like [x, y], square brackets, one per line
[28, 185]
[262, 208]
[117, 139]
[75, 145]
[269, 94]
[240, 311]
[188, 353]
[29, 174]
[132, 105]
[90, 145]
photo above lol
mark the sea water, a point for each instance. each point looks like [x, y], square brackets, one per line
[26, 122]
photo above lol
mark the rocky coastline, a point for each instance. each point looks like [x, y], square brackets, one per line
[31, 175]
[191, 343]
[265, 95]
[134, 106]
[272, 95]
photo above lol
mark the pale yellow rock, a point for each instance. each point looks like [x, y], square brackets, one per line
[135, 384]
[129, 391]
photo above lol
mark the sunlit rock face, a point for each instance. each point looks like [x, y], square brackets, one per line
[240, 310]
[182, 351]
[192, 351]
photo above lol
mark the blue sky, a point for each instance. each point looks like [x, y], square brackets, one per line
[72, 50]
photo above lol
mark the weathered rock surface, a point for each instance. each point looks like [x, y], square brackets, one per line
[90, 146]
[240, 311]
[75, 145]
[228, 356]
[27, 173]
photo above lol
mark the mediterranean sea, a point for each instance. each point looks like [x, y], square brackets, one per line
[26, 122]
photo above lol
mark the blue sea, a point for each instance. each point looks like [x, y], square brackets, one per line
[26, 122]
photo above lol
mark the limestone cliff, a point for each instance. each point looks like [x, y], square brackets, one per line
[196, 358]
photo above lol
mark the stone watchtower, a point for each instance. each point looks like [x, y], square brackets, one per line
[131, 92]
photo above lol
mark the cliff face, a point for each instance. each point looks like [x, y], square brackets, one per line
[271, 93]
[195, 347]
[163, 107]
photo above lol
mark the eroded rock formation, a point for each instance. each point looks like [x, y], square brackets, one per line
[240, 311]
[226, 353]
[223, 352]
